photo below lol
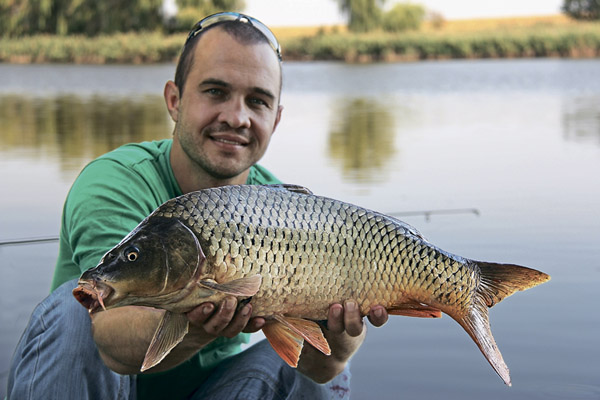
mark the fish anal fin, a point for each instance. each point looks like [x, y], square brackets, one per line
[287, 343]
[246, 286]
[169, 333]
[309, 330]
[415, 309]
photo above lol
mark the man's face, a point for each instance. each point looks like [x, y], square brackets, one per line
[230, 105]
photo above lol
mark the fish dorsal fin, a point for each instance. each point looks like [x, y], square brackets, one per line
[287, 335]
[290, 188]
[415, 309]
[169, 333]
[246, 286]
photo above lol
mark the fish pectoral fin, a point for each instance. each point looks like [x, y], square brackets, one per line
[415, 309]
[169, 333]
[287, 336]
[246, 286]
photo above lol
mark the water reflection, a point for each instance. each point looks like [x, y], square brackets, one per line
[361, 139]
[581, 119]
[75, 129]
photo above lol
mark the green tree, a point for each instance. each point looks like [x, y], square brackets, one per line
[90, 17]
[363, 15]
[582, 9]
[403, 17]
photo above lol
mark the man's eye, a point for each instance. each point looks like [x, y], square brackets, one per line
[258, 102]
[214, 92]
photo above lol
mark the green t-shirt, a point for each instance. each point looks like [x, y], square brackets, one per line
[111, 196]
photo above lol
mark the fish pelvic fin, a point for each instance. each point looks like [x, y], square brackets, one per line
[169, 333]
[287, 335]
[497, 281]
[246, 286]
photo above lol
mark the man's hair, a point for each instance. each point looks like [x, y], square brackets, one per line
[242, 32]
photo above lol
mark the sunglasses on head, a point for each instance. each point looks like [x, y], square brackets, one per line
[233, 16]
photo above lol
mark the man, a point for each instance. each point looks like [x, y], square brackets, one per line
[225, 105]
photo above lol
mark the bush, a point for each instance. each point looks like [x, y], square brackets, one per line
[403, 17]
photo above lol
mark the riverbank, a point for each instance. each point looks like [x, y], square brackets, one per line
[555, 36]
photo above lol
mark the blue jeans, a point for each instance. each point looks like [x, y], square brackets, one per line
[57, 358]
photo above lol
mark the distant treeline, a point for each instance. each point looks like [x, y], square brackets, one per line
[579, 40]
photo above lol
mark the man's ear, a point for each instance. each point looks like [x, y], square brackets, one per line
[277, 118]
[171, 94]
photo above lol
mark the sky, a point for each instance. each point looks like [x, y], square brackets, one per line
[325, 12]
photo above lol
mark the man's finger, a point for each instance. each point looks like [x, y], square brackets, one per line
[352, 320]
[335, 320]
[378, 315]
[219, 320]
[201, 313]
[255, 324]
[238, 323]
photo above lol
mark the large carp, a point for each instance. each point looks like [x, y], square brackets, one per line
[292, 254]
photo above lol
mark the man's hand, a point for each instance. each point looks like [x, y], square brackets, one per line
[207, 324]
[345, 333]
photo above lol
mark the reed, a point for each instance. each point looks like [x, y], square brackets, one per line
[499, 38]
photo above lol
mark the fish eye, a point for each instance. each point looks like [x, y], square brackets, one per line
[132, 254]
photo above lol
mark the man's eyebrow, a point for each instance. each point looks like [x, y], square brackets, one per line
[255, 89]
[213, 81]
[264, 92]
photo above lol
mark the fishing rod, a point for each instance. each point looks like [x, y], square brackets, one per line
[36, 240]
[426, 213]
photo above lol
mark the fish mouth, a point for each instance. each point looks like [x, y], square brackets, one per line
[92, 295]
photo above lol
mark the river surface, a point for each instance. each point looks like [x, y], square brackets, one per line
[510, 147]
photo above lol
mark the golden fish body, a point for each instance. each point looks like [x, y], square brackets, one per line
[293, 254]
[313, 251]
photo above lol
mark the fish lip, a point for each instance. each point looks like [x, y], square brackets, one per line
[92, 294]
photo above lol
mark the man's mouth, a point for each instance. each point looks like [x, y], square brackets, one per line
[230, 140]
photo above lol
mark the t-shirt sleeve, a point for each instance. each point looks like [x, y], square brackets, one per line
[105, 203]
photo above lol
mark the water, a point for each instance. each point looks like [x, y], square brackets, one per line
[517, 140]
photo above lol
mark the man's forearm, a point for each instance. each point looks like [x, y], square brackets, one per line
[321, 368]
[123, 335]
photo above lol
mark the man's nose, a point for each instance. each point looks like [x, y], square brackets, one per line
[235, 113]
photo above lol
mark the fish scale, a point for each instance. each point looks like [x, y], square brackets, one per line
[292, 254]
[316, 241]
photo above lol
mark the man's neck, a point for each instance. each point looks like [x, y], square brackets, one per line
[191, 178]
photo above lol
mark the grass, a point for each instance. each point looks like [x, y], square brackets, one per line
[550, 36]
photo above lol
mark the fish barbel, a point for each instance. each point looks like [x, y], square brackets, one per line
[292, 254]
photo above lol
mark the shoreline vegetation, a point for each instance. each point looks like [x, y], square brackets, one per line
[550, 36]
